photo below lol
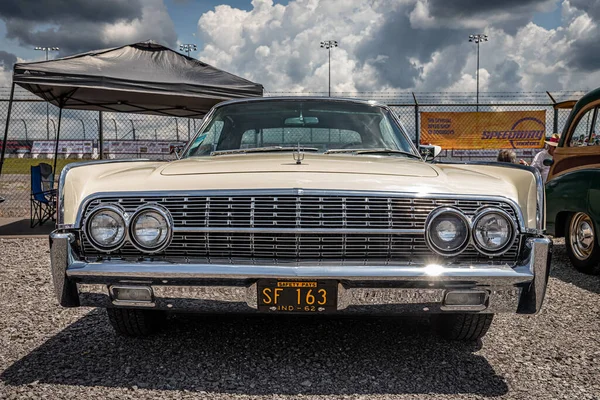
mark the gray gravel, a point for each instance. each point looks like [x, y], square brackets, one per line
[52, 352]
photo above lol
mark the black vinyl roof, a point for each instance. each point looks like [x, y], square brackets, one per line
[144, 78]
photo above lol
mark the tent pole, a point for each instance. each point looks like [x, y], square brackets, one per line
[100, 135]
[57, 139]
[10, 102]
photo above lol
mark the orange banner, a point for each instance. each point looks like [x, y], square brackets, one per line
[484, 130]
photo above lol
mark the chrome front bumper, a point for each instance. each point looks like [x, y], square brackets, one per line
[369, 289]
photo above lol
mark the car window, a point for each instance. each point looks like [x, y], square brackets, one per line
[581, 134]
[209, 138]
[315, 137]
[595, 136]
[322, 125]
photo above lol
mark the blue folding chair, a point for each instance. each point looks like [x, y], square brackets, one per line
[43, 195]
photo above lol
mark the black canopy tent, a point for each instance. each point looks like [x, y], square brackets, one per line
[143, 78]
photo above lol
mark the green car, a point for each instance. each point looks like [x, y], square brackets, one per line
[573, 185]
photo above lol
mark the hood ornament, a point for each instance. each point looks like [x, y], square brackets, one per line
[298, 155]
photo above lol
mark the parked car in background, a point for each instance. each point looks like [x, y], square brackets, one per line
[301, 205]
[573, 185]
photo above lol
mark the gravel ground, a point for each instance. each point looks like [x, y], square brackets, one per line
[51, 352]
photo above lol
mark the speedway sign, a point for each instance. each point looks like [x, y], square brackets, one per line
[484, 130]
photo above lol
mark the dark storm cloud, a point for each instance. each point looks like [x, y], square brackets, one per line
[79, 25]
[399, 42]
[470, 8]
[63, 10]
[7, 60]
[591, 7]
[505, 77]
[584, 53]
[519, 12]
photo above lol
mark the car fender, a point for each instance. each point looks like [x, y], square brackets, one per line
[577, 191]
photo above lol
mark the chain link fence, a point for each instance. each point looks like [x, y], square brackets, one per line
[34, 125]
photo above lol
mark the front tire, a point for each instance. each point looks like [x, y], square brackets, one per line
[581, 242]
[463, 327]
[135, 322]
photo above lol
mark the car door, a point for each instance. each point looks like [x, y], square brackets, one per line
[580, 148]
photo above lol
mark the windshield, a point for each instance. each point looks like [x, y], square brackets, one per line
[322, 126]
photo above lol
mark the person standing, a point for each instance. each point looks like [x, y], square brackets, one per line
[508, 156]
[546, 153]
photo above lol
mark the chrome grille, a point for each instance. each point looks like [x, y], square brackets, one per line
[284, 228]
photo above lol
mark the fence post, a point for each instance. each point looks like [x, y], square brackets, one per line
[83, 127]
[555, 122]
[10, 103]
[132, 129]
[25, 126]
[417, 130]
[57, 140]
[100, 135]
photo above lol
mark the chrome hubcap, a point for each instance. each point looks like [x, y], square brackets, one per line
[582, 236]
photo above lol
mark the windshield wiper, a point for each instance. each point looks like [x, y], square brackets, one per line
[262, 150]
[372, 151]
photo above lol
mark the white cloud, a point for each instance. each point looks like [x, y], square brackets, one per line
[387, 45]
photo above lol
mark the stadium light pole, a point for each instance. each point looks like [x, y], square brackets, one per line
[477, 39]
[327, 45]
[188, 47]
[47, 50]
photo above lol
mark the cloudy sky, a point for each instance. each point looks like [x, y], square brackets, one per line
[384, 45]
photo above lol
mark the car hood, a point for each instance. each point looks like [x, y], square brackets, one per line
[312, 163]
[317, 171]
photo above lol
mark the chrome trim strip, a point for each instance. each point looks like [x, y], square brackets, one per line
[60, 217]
[300, 192]
[174, 271]
[184, 229]
[541, 203]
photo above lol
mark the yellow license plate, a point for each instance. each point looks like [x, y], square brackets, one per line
[297, 296]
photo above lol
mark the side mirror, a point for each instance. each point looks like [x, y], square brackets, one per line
[430, 152]
[548, 162]
[177, 149]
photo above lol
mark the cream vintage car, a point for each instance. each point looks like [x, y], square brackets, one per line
[301, 205]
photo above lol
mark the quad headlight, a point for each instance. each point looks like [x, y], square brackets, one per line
[493, 231]
[106, 228]
[447, 231]
[151, 228]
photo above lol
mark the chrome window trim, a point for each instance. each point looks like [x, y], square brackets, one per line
[170, 225]
[300, 192]
[481, 213]
[434, 214]
[60, 217]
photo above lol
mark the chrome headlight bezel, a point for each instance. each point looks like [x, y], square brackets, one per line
[482, 212]
[165, 214]
[116, 209]
[436, 213]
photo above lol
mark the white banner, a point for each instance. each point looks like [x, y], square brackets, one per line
[137, 147]
[64, 147]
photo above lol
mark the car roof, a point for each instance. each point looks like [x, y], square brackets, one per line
[302, 98]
